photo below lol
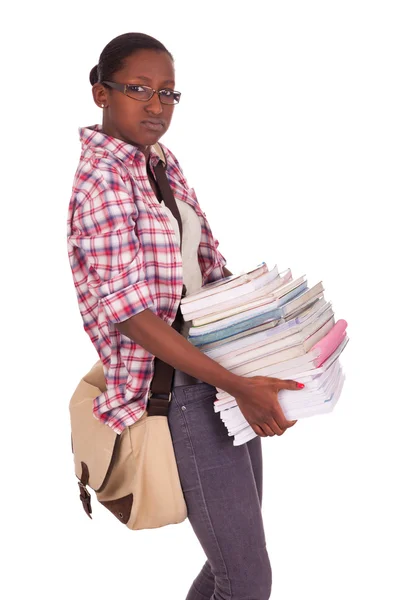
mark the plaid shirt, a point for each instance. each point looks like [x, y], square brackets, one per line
[125, 258]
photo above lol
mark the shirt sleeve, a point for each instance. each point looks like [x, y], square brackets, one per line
[107, 250]
[219, 262]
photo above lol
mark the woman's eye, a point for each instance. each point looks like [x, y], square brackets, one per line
[136, 88]
[166, 92]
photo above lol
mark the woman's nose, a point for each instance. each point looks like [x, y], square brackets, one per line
[154, 105]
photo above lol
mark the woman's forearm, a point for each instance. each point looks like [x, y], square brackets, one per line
[159, 338]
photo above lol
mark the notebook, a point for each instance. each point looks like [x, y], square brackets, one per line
[304, 339]
[265, 296]
[304, 353]
[250, 282]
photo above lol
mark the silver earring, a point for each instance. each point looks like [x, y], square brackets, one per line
[102, 106]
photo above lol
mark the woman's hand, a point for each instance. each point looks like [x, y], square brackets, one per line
[258, 402]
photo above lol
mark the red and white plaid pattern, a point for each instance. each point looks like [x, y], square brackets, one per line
[125, 258]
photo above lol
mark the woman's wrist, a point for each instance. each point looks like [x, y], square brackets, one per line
[235, 385]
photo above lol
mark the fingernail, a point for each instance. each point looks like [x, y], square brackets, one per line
[300, 385]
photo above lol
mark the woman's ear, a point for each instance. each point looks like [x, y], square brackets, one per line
[100, 95]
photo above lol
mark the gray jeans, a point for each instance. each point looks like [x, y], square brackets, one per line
[222, 486]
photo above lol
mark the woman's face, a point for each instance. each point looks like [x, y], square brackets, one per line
[125, 118]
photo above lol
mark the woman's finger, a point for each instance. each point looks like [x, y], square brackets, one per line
[266, 429]
[276, 428]
[259, 431]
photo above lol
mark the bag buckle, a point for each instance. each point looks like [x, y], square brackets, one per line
[158, 404]
[151, 395]
[85, 498]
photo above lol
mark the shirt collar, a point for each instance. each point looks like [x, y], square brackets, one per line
[93, 136]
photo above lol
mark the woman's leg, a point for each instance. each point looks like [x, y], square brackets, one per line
[255, 452]
[204, 584]
[222, 489]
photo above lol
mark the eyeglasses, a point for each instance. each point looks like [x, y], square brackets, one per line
[144, 92]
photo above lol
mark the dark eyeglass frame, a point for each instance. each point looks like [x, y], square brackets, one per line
[124, 87]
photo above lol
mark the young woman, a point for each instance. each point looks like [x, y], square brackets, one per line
[123, 246]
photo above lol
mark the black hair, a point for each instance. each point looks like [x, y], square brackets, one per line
[113, 55]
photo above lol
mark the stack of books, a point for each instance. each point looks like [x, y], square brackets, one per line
[266, 323]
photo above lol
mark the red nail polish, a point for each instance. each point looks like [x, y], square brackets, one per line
[300, 385]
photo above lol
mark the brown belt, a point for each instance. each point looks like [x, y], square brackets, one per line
[161, 384]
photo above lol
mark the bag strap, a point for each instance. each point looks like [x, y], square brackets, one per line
[160, 387]
[167, 195]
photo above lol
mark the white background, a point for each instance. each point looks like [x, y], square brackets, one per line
[288, 129]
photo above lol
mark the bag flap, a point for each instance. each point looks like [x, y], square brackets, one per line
[93, 442]
[96, 376]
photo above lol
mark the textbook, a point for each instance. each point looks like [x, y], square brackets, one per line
[225, 283]
[324, 342]
[318, 397]
[279, 309]
[240, 286]
[275, 280]
[320, 391]
[310, 378]
[283, 346]
[288, 371]
[295, 405]
[277, 289]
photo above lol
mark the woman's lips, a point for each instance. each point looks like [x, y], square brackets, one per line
[153, 126]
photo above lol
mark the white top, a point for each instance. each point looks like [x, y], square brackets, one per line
[192, 277]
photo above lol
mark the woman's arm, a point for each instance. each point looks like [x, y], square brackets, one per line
[153, 334]
[161, 340]
[257, 397]
[157, 337]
